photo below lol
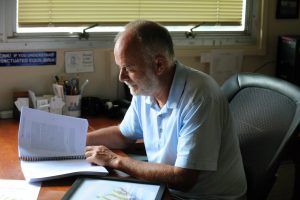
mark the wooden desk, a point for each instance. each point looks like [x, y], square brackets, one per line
[10, 166]
[54, 190]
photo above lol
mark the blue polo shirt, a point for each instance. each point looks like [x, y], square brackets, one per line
[192, 130]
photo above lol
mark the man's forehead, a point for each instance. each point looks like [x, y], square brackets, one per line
[127, 46]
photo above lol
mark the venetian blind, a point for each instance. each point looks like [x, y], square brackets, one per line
[81, 12]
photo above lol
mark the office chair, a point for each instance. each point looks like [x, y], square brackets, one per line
[266, 111]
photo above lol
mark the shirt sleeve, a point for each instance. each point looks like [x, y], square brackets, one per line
[200, 136]
[130, 126]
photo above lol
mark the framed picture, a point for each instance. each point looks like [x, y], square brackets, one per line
[109, 188]
[287, 9]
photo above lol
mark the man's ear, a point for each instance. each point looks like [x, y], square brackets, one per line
[160, 64]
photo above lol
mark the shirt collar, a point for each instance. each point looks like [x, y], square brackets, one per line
[177, 86]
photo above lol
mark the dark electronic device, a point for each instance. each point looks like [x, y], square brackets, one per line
[91, 106]
[94, 106]
[288, 59]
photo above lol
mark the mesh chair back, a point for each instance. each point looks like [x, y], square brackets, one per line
[266, 114]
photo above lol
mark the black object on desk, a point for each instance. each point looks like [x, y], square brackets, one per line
[16, 95]
[94, 106]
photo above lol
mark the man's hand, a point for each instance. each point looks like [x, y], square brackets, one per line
[175, 177]
[101, 155]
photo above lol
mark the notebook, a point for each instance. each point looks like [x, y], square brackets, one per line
[52, 146]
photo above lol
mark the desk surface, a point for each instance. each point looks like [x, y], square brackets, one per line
[10, 166]
[54, 190]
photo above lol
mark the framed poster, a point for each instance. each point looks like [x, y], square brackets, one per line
[79, 61]
[287, 9]
[114, 189]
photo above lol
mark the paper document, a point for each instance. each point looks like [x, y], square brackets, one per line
[53, 169]
[18, 190]
[53, 146]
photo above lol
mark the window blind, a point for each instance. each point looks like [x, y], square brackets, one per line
[84, 12]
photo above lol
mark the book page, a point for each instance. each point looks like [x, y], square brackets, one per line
[53, 169]
[47, 135]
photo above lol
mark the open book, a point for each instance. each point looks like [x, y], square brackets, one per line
[52, 146]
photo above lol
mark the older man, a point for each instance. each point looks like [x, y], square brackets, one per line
[181, 115]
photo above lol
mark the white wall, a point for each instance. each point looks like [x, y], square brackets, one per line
[103, 81]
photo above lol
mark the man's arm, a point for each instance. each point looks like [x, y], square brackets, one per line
[110, 137]
[175, 177]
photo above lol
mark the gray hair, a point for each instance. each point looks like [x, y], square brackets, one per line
[153, 37]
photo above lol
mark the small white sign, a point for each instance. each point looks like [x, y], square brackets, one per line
[79, 61]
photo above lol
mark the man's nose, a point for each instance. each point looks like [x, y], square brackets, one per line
[123, 74]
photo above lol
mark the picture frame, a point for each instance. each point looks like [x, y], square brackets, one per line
[112, 188]
[287, 9]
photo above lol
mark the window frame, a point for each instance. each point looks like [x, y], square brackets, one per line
[251, 40]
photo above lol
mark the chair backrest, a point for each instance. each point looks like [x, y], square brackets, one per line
[266, 111]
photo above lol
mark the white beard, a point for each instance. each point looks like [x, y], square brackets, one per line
[146, 87]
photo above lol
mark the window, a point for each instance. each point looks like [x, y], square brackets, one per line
[67, 12]
[191, 22]
[112, 13]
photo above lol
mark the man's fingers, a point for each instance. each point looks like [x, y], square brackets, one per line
[99, 155]
[89, 148]
[88, 154]
[92, 148]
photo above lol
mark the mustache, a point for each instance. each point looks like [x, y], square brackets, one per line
[128, 84]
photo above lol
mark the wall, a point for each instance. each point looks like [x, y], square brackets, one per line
[275, 28]
[103, 81]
